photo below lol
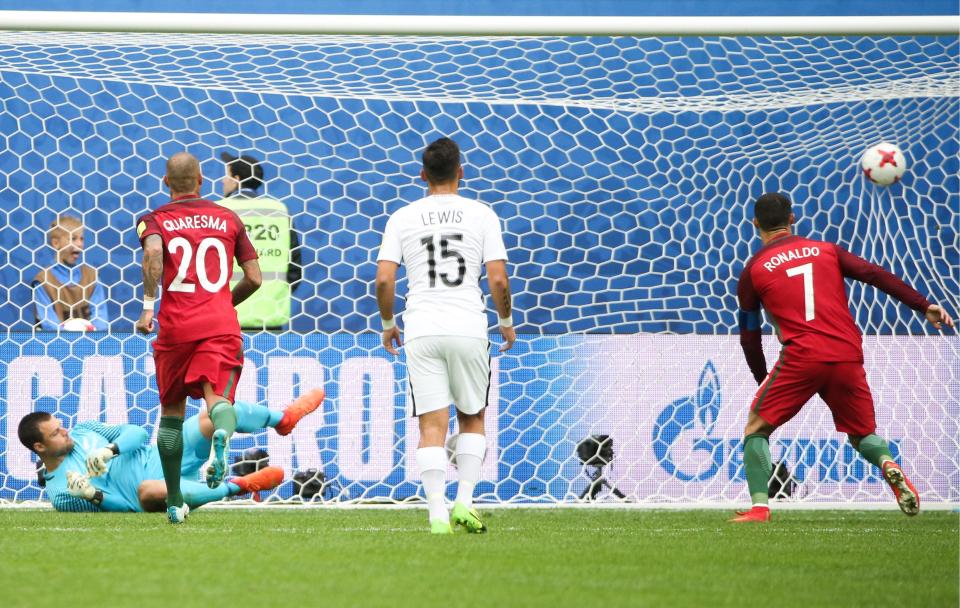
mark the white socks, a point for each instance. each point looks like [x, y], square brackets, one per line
[471, 448]
[433, 474]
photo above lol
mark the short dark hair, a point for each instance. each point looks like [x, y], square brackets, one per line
[772, 211]
[246, 169]
[441, 160]
[29, 429]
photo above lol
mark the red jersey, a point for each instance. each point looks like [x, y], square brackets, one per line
[200, 241]
[799, 282]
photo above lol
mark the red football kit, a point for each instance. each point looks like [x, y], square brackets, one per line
[198, 339]
[799, 282]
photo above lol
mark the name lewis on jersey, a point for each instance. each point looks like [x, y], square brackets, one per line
[791, 254]
[196, 222]
[451, 216]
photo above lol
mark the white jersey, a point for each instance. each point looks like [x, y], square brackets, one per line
[444, 240]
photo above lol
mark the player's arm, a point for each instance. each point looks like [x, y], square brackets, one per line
[67, 502]
[388, 262]
[386, 288]
[251, 281]
[152, 278]
[500, 292]
[860, 269]
[82, 496]
[751, 338]
[123, 438]
[246, 256]
[495, 258]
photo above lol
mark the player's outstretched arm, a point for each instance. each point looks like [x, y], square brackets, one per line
[386, 287]
[938, 316]
[152, 276]
[251, 281]
[123, 438]
[500, 291]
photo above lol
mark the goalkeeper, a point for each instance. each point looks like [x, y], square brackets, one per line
[101, 467]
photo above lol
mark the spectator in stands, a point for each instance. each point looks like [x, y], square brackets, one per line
[271, 231]
[68, 290]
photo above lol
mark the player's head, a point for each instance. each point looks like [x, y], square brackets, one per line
[441, 162]
[183, 174]
[772, 211]
[244, 172]
[44, 435]
[66, 238]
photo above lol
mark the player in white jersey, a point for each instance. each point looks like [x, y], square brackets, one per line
[445, 240]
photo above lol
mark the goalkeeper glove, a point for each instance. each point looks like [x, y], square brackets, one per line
[79, 485]
[98, 459]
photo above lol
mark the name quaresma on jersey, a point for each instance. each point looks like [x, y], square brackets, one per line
[200, 238]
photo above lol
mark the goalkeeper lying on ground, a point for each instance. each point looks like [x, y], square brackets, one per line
[102, 467]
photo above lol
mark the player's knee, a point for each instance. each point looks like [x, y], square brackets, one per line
[855, 441]
[470, 423]
[152, 497]
[757, 425]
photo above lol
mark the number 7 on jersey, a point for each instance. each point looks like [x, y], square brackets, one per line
[806, 271]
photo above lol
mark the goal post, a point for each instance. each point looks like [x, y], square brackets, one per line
[621, 163]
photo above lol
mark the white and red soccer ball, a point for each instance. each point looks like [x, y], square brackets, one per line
[77, 325]
[883, 164]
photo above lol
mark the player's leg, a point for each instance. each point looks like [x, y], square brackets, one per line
[432, 462]
[788, 386]
[468, 367]
[169, 361]
[430, 400]
[153, 493]
[215, 368]
[848, 396]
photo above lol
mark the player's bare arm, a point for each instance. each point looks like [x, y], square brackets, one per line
[500, 291]
[386, 286]
[152, 275]
[251, 281]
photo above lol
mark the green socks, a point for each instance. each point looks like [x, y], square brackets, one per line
[223, 416]
[759, 466]
[170, 446]
[875, 450]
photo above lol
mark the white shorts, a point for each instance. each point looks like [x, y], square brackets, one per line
[448, 369]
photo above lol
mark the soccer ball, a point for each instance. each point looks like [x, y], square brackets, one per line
[77, 325]
[883, 164]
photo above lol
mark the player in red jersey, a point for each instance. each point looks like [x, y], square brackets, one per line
[799, 282]
[190, 243]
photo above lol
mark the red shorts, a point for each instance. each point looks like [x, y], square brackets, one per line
[841, 385]
[183, 368]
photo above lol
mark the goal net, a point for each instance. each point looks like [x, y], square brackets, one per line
[622, 169]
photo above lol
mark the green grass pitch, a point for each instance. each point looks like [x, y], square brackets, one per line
[535, 557]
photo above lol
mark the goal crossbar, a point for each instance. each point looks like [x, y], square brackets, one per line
[477, 25]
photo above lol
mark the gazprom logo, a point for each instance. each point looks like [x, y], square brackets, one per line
[687, 447]
[682, 435]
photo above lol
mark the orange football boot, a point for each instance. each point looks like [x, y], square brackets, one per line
[305, 404]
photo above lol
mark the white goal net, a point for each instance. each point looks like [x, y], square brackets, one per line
[622, 169]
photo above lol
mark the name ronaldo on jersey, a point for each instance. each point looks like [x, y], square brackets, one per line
[793, 254]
